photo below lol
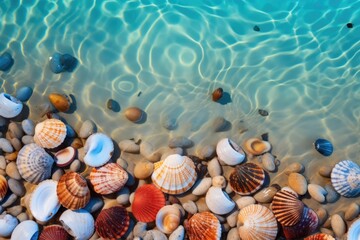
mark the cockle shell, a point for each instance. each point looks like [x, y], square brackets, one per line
[216, 195]
[354, 230]
[60, 101]
[168, 219]
[257, 222]
[175, 174]
[33, 163]
[229, 152]
[324, 147]
[50, 133]
[98, 149]
[9, 106]
[7, 224]
[72, 191]
[65, 156]
[109, 178]
[78, 223]
[112, 223]
[44, 202]
[321, 236]
[257, 146]
[26, 230]
[247, 178]
[54, 232]
[345, 178]
[3, 187]
[203, 226]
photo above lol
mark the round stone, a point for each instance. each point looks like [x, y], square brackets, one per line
[17, 187]
[12, 171]
[298, 183]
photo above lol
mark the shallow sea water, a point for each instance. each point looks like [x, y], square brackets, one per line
[166, 57]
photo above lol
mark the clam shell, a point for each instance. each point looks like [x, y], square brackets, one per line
[168, 219]
[72, 191]
[54, 232]
[324, 147]
[108, 178]
[148, 200]
[33, 163]
[65, 156]
[174, 175]
[229, 152]
[60, 101]
[203, 226]
[354, 230]
[9, 106]
[247, 178]
[257, 146]
[112, 223]
[320, 236]
[78, 223]
[26, 230]
[257, 222]
[3, 187]
[345, 178]
[216, 195]
[98, 149]
[50, 133]
[7, 224]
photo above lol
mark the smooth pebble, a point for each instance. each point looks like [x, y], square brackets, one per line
[27, 139]
[331, 196]
[268, 162]
[15, 210]
[220, 124]
[181, 142]
[75, 165]
[294, 168]
[245, 201]
[140, 229]
[190, 207]
[178, 233]
[15, 130]
[206, 152]
[266, 195]
[5, 145]
[201, 205]
[148, 151]
[154, 235]
[338, 225]
[28, 126]
[2, 162]
[24, 93]
[57, 174]
[231, 219]
[12, 171]
[233, 234]
[129, 146]
[325, 171]
[214, 167]
[9, 200]
[143, 169]
[352, 211]
[201, 186]
[317, 192]
[17, 187]
[298, 183]
[22, 217]
[87, 128]
[122, 163]
[123, 196]
[94, 204]
[219, 181]
[16, 143]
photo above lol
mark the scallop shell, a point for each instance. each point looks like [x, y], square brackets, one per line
[345, 178]
[33, 163]
[321, 236]
[7, 224]
[60, 101]
[108, 178]
[98, 149]
[50, 133]
[229, 152]
[257, 222]
[54, 232]
[216, 195]
[354, 230]
[203, 226]
[148, 200]
[324, 147]
[26, 230]
[257, 146]
[78, 223]
[44, 202]
[287, 208]
[72, 191]
[247, 178]
[112, 223]
[168, 219]
[3, 187]
[174, 175]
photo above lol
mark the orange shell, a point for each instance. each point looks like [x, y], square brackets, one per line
[320, 236]
[50, 133]
[3, 187]
[217, 94]
[60, 101]
[72, 191]
[54, 232]
[112, 223]
[257, 146]
[148, 200]
[133, 114]
[203, 226]
[247, 178]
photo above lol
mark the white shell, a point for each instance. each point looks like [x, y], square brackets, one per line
[98, 149]
[44, 202]
[229, 152]
[218, 201]
[26, 230]
[7, 225]
[168, 219]
[354, 231]
[345, 178]
[9, 106]
[78, 223]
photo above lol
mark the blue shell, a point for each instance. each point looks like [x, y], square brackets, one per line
[345, 178]
[6, 61]
[324, 147]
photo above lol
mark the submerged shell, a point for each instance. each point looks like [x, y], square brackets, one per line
[354, 230]
[108, 178]
[216, 195]
[98, 149]
[174, 175]
[203, 226]
[306, 226]
[324, 147]
[112, 223]
[33, 163]
[257, 146]
[247, 178]
[3, 187]
[70, 219]
[257, 222]
[320, 236]
[50, 133]
[54, 232]
[168, 219]
[229, 152]
[345, 178]
[60, 101]
[26, 230]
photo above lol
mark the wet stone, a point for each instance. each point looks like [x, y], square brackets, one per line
[113, 105]
[331, 196]
[168, 123]
[17, 187]
[263, 112]
[325, 171]
[2, 162]
[349, 25]
[87, 128]
[190, 207]
[181, 142]
[94, 204]
[256, 28]
[352, 212]
[245, 201]
[338, 225]
[10, 200]
[12, 171]
[123, 196]
[15, 210]
[28, 127]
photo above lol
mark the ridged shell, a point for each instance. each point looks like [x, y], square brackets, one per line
[257, 222]
[3, 187]
[306, 226]
[54, 232]
[60, 101]
[50, 133]
[98, 149]
[174, 175]
[354, 230]
[78, 223]
[26, 230]
[148, 200]
[168, 219]
[287, 208]
[108, 178]
[216, 195]
[345, 178]
[33, 163]
[229, 152]
[320, 236]
[72, 191]
[247, 178]
[324, 147]
[203, 226]
[112, 223]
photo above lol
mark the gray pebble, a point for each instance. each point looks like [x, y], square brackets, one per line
[11, 199]
[168, 123]
[27, 139]
[181, 142]
[94, 204]
[23, 217]
[5, 145]
[12, 171]
[75, 165]
[15, 210]
[28, 127]
[123, 196]
[178, 234]
[190, 207]
[268, 162]
[57, 174]
[140, 229]
[87, 128]
[331, 196]
[220, 124]
[207, 152]
[15, 130]
[17, 187]
[16, 143]
[2, 162]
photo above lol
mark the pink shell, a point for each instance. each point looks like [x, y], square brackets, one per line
[247, 178]
[203, 226]
[112, 223]
[50, 133]
[54, 232]
[306, 226]
[3, 187]
[65, 156]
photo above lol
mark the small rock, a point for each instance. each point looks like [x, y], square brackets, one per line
[233, 234]
[178, 234]
[327, 231]
[214, 167]
[168, 123]
[15, 210]
[322, 214]
[134, 114]
[12, 171]
[349, 25]
[11, 156]
[129, 146]
[147, 150]
[256, 29]
[268, 162]
[113, 105]
[27, 139]
[5, 145]
[201, 186]
[266, 195]
[2, 162]
[6, 61]
[57, 174]
[143, 169]
[24, 93]
[317, 192]
[245, 201]
[122, 163]
[263, 112]
[220, 124]
[201, 205]
[140, 229]
[298, 183]
[15, 130]
[94, 204]
[8, 201]
[17, 187]
[294, 168]
[181, 142]
[70, 132]
[190, 207]
[207, 152]
[123, 196]
[231, 219]
[338, 225]
[325, 171]
[75, 165]
[16, 143]
[331, 196]
[23, 217]
[87, 128]
[352, 211]
[219, 181]
[154, 235]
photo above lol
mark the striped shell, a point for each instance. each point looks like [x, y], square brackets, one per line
[345, 178]
[108, 178]
[247, 178]
[3, 187]
[320, 236]
[72, 191]
[98, 149]
[112, 223]
[306, 226]
[50, 133]
[174, 175]
[54, 232]
[257, 222]
[203, 226]
[33, 163]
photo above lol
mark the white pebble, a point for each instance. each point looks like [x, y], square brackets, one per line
[268, 162]
[28, 127]
[190, 207]
[231, 219]
[219, 181]
[338, 225]
[317, 192]
[245, 201]
[201, 186]
[154, 235]
[87, 128]
[129, 146]
[5, 145]
[214, 167]
[178, 234]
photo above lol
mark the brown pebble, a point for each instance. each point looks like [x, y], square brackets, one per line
[325, 171]
[15, 210]
[134, 114]
[143, 169]
[16, 143]
[352, 211]
[77, 143]
[11, 156]
[298, 183]
[322, 214]
[12, 171]
[217, 94]
[22, 217]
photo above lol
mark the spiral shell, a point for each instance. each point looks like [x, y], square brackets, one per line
[112, 223]
[203, 226]
[168, 219]
[50, 133]
[247, 178]
[229, 152]
[54, 232]
[345, 178]
[3, 187]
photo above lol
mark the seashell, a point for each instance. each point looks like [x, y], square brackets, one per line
[320, 236]
[54, 232]
[257, 222]
[134, 114]
[98, 149]
[229, 152]
[9, 106]
[7, 224]
[70, 220]
[26, 230]
[217, 94]
[148, 200]
[168, 219]
[345, 178]
[60, 101]
[112, 223]
[65, 156]
[72, 191]
[324, 147]
[3, 187]
[216, 195]
[202, 226]
[257, 146]
[247, 178]
[33, 163]
[175, 174]
[354, 230]
[287, 208]
[108, 178]
[50, 133]
[44, 202]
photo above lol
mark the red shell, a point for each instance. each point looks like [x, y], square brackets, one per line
[306, 226]
[112, 223]
[54, 232]
[217, 94]
[148, 200]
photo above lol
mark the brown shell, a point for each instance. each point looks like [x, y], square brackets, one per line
[54, 232]
[72, 191]
[203, 226]
[320, 236]
[247, 178]
[60, 101]
[307, 225]
[3, 187]
[217, 94]
[112, 223]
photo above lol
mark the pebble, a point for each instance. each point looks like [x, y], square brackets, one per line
[15, 130]
[94, 204]
[317, 192]
[201, 205]
[143, 169]
[294, 168]
[327, 231]
[28, 126]
[219, 181]
[70, 132]
[190, 207]
[24, 93]
[323, 215]
[16, 143]
[352, 211]
[298, 183]
[2, 172]
[206, 152]
[331, 196]
[140, 229]
[338, 225]
[181, 209]
[11, 156]
[77, 143]
[178, 233]
[214, 167]
[325, 171]
[201, 186]
[129, 146]
[57, 174]
[9, 200]
[87, 128]
[123, 196]
[12, 171]
[170, 151]
[181, 142]
[22, 217]
[220, 124]
[17, 187]
[148, 151]
[233, 234]
[122, 163]
[154, 235]
[15, 210]
[245, 201]
[113, 105]
[266, 195]
[231, 219]
[5, 145]
[75, 165]
[268, 162]
[2, 162]
[168, 123]
[27, 139]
